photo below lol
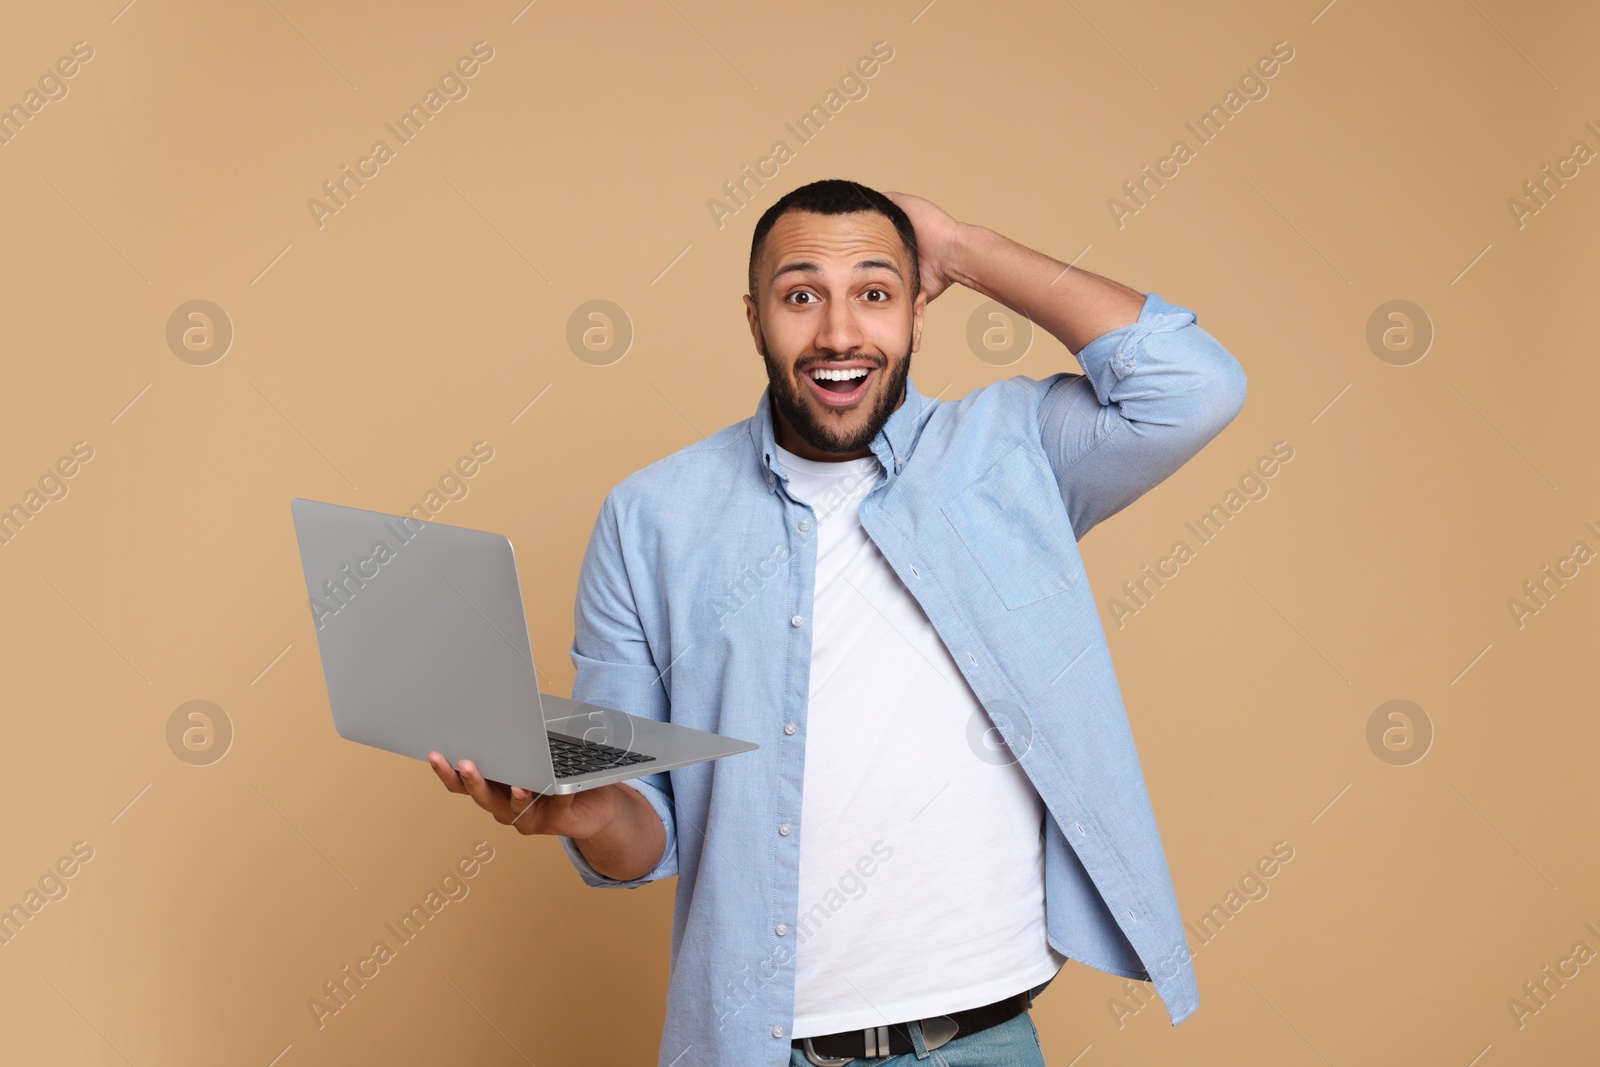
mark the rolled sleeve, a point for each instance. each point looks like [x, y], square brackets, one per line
[1151, 395]
[1113, 355]
[661, 801]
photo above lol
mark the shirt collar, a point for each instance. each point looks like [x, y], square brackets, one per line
[892, 445]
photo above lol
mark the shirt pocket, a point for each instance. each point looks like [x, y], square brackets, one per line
[1014, 525]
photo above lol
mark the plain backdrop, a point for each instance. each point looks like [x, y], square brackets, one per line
[374, 345]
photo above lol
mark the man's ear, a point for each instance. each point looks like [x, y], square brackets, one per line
[753, 317]
[917, 309]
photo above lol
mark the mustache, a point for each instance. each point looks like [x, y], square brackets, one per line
[877, 361]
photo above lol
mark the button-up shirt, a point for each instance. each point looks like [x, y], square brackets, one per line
[694, 605]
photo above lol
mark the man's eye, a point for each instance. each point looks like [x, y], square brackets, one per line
[798, 292]
[883, 292]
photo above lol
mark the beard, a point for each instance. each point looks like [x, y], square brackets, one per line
[816, 431]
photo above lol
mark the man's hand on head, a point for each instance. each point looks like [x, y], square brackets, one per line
[1074, 305]
[939, 239]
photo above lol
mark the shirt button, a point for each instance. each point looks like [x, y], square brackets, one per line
[770, 479]
[796, 621]
[788, 727]
[783, 829]
[782, 929]
[777, 1031]
[805, 524]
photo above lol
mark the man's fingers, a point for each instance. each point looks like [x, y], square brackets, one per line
[534, 811]
[447, 774]
[491, 796]
[528, 811]
[523, 817]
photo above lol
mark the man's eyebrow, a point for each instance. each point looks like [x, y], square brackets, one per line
[806, 266]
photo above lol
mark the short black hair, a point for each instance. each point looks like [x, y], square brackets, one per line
[837, 196]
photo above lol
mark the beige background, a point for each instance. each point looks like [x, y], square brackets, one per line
[426, 315]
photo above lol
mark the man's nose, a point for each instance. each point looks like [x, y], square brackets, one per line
[839, 331]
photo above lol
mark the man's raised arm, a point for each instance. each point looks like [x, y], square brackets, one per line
[1155, 387]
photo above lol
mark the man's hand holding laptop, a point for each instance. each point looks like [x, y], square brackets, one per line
[613, 825]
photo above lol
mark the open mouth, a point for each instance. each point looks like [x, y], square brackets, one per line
[840, 387]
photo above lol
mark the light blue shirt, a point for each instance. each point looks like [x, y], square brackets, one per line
[694, 604]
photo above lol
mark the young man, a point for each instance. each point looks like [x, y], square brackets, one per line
[872, 584]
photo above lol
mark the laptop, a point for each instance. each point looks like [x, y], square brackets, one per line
[425, 648]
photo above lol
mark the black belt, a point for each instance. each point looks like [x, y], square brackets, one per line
[877, 1041]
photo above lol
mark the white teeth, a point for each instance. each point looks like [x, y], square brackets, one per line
[822, 374]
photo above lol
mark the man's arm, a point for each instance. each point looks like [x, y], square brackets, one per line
[1153, 393]
[1155, 388]
[632, 844]
[617, 670]
[1074, 305]
[616, 835]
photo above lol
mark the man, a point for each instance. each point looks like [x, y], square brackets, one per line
[871, 584]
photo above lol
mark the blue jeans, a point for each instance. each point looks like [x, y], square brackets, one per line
[1014, 1043]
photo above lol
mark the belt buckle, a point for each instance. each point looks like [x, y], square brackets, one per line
[822, 1061]
[936, 1032]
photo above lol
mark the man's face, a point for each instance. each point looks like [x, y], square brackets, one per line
[834, 297]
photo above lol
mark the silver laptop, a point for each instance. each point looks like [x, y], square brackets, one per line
[425, 648]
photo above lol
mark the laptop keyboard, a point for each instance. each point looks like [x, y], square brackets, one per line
[573, 756]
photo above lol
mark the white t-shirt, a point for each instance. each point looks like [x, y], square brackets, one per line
[921, 861]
